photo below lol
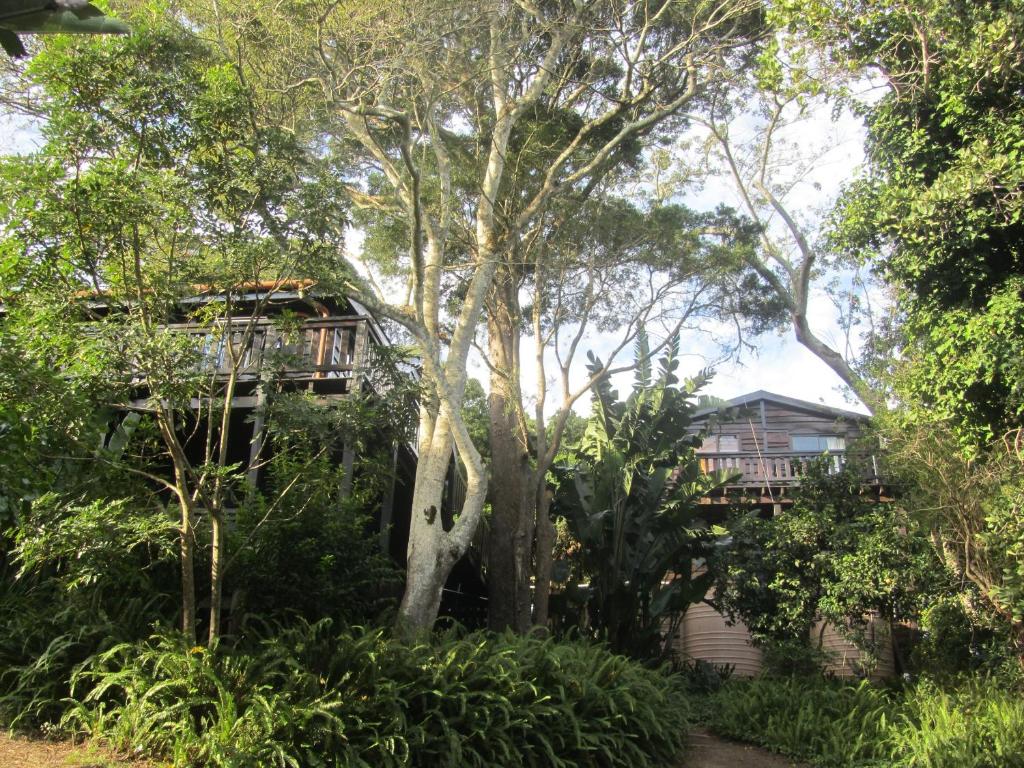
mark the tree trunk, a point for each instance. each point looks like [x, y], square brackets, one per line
[837, 363]
[217, 553]
[545, 558]
[510, 536]
[187, 548]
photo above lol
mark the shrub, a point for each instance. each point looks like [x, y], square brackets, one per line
[831, 723]
[979, 724]
[312, 696]
[976, 723]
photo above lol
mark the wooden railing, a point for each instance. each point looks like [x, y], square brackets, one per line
[775, 467]
[324, 348]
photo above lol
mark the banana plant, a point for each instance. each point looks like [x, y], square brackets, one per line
[631, 502]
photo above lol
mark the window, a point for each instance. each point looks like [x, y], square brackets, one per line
[818, 443]
[720, 444]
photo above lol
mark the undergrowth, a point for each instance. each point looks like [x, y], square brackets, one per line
[810, 719]
[971, 723]
[315, 696]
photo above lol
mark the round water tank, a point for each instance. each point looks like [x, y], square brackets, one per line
[846, 659]
[704, 634]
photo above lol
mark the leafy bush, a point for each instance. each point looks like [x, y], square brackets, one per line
[45, 634]
[831, 723]
[312, 696]
[977, 725]
[835, 555]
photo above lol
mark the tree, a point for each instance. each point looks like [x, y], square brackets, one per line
[939, 217]
[154, 179]
[939, 214]
[419, 103]
[834, 555]
[632, 505]
[751, 134]
[607, 266]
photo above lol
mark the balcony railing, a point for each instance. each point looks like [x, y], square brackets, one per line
[324, 348]
[775, 468]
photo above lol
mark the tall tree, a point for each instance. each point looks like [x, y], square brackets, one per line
[754, 133]
[605, 267]
[939, 217]
[419, 103]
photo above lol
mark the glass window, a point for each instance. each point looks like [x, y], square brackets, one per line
[728, 444]
[720, 444]
[818, 443]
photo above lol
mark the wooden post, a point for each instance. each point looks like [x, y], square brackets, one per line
[387, 506]
[258, 428]
[359, 356]
[348, 460]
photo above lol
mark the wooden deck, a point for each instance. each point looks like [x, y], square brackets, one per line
[777, 468]
[324, 348]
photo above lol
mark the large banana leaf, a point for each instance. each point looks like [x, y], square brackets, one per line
[632, 503]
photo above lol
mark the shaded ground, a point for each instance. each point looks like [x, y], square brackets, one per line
[707, 751]
[20, 752]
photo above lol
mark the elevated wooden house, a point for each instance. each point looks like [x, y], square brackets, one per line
[764, 440]
[288, 336]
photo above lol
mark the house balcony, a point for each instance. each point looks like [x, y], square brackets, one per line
[328, 356]
[779, 469]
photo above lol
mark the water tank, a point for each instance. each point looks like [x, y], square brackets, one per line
[847, 660]
[705, 634]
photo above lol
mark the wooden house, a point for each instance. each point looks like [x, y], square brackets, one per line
[763, 440]
[288, 336]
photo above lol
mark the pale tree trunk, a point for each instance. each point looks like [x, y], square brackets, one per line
[218, 550]
[217, 556]
[186, 550]
[432, 550]
[428, 565]
[186, 530]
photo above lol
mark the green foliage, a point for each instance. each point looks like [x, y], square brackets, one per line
[972, 511]
[46, 632]
[939, 214]
[835, 555]
[89, 541]
[977, 723]
[631, 503]
[305, 543]
[833, 724]
[314, 696]
[475, 414]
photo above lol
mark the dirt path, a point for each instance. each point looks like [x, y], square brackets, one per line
[19, 752]
[707, 751]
